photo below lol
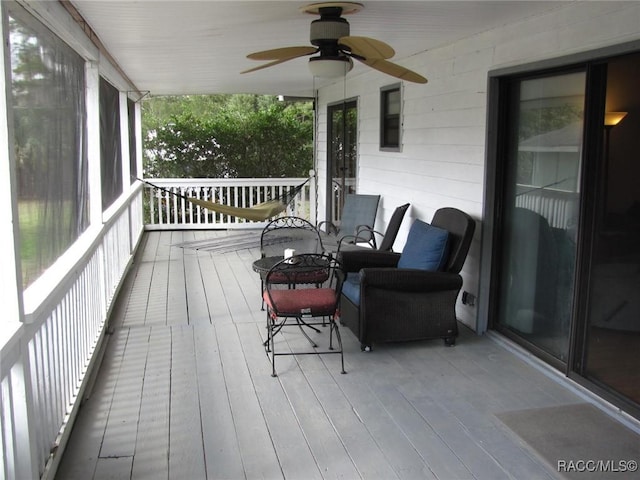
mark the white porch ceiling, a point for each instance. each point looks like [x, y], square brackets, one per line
[194, 47]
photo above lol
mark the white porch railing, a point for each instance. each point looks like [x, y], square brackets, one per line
[46, 362]
[166, 209]
[44, 366]
[557, 206]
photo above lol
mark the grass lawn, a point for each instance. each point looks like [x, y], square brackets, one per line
[38, 247]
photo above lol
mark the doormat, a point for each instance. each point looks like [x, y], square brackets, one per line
[578, 441]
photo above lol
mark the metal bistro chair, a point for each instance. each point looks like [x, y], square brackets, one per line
[300, 302]
[287, 232]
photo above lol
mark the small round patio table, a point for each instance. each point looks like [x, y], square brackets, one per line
[264, 264]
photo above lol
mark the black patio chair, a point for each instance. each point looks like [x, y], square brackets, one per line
[293, 298]
[358, 211]
[388, 237]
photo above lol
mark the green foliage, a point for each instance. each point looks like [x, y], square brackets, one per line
[537, 121]
[224, 136]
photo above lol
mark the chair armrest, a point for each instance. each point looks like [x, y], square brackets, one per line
[353, 239]
[355, 260]
[369, 232]
[409, 280]
[331, 228]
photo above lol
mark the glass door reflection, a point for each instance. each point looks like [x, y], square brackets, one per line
[540, 207]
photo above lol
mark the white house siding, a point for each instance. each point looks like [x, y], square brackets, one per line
[442, 160]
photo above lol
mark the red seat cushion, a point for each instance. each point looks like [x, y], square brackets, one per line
[314, 301]
[315, 276]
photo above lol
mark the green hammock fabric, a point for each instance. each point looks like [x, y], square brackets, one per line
[257, 213]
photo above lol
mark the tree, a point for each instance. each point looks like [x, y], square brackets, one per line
[224, 136]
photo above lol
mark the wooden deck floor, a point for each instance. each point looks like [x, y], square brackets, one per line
[185, 392]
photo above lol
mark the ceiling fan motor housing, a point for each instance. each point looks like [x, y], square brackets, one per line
[328, 30]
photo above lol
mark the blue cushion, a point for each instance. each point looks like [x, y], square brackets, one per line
[351, 287]
[427, 248]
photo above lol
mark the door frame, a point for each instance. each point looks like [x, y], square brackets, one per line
[345, 104]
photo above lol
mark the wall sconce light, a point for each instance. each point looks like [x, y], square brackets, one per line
[611, 119]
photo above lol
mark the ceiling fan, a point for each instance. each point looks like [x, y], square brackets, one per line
[330, 38]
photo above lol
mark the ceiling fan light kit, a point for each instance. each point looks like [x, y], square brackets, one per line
[330, 37]
[330, 67]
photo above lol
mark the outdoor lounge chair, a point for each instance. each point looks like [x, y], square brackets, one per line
[388, 237]
[358, 211]
[390, 297]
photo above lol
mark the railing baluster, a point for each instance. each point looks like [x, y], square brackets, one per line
[8, 425]
[198, 207]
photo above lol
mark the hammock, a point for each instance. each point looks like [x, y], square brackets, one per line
[259, 212]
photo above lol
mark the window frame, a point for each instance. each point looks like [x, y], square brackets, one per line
[385, 118]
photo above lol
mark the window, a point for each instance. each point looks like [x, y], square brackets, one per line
[390, 117]
[47, 110]
[110, 151]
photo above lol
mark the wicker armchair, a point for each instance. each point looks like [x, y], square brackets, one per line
[383, 303]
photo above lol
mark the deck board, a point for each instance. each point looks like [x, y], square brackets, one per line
[122, 424]
[258, 455]
[152, 441]
[223, 458]
[186, 449]
[185, 391]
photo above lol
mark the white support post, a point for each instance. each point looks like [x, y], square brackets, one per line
[19, 403]
[93, 142]
[313, 199]
[11, 272]
[138, 111]
[26, 462]
[124, 143]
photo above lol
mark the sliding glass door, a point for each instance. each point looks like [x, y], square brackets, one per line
[564, 220]
[540, 208]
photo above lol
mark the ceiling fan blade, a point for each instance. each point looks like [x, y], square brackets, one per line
[270, 64]
[394, 70]
[285, 53]
[366, 47]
